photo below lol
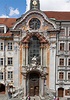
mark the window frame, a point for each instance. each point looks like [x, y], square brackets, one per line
[69, 46]
[61, 77]
[10, 75]
[1, 75]
[34, 49]
[36, 25]
[1, 61]
[1, 29]
[68, 31]
[63, 32]
[1, 46]
[10, 61]
[60, 62]
[9, 46]
[68, 76]
[67, 92]
[68, 61]
[61, 46]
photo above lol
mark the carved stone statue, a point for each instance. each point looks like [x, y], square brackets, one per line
[34, 58]
[34, 61]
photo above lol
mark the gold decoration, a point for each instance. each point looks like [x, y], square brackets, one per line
[24, 28]
[46, 27]
[34, 2]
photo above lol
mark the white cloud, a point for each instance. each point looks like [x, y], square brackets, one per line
[13, 12]
[27, 5]
[4, 16]
[52, 5]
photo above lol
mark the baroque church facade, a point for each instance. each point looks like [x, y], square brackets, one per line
[35, 52]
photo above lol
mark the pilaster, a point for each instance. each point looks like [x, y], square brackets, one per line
[20, 63]
[24, 83]
[42, 86]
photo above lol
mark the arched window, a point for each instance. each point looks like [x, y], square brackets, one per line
[34, 49]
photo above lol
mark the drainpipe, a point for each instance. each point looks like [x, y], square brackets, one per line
[5, 66]
[57, 37]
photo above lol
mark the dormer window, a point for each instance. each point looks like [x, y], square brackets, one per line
[1, 29]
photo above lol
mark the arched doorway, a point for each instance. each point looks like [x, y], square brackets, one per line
[2, 88]
[60, 92]
[33, 83]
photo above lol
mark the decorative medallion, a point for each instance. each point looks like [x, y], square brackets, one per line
[34, 2]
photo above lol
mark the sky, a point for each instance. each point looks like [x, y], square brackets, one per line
[15, 8]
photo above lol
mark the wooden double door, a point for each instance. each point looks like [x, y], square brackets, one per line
[60, 92]
[34, 84]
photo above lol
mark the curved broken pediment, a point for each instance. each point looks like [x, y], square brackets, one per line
[24, 20]
[39, 36]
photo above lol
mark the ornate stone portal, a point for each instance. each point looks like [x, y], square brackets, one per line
[34, 77]
[36, 36]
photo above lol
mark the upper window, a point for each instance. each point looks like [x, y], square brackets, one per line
[68, 76]
[61, 75]
[69, 31]
[34, 48]
[61, 62]
[1, 29]
[63, 32]
[34, 23]
[10, 61]
[69, 46]
[9, 45]
[1, 46]
[67, 92]
[10, 75]
[62, 46]
[1, 61]
[1, 75]
[69, 62]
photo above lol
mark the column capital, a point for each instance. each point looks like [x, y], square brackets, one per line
[24, 76]
[43, 77]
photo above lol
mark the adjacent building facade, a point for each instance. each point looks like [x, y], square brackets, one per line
[35, 51]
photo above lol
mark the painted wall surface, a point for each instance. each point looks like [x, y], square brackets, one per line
[52, 68]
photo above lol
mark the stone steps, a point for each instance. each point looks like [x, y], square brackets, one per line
[35, 98]
[63, 98]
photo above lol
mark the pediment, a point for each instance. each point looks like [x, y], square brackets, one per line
[39, 36]
[23, 22]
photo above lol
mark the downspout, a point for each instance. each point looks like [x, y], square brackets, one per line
[5, 74]
[57, 37]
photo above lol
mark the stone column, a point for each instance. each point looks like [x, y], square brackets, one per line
[42, 86]
[26, 47]
[41, 55]
[44, 56]
[23, 55]
[24, 86]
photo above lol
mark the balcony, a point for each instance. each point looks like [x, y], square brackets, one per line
[26, 69]
[61, 83]
[64, 52]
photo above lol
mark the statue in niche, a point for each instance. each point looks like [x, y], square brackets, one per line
[34, 61]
